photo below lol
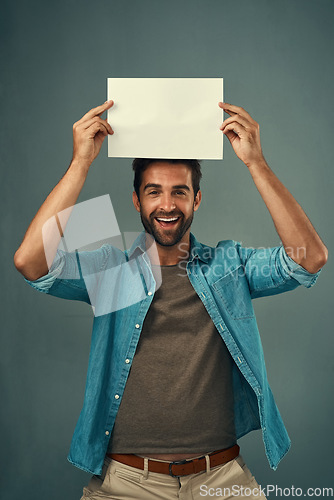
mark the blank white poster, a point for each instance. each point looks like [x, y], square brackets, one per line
[166, 118]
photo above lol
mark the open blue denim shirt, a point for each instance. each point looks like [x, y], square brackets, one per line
[225, 278]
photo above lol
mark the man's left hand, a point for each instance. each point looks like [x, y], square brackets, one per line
[243, 133]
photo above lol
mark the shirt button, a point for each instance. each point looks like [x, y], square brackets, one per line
[116, 396]
[107, 433]
[149, 293]
[127, 361]
[137, 326]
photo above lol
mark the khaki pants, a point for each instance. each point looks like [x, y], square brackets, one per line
[227, 481]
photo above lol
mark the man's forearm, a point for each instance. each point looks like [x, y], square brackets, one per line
[41, 240]
[30, 258]
[300, 239]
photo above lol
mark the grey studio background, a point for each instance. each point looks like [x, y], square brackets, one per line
[277, 62]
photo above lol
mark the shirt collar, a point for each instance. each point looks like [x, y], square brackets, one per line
[138, 247]
[197, 249]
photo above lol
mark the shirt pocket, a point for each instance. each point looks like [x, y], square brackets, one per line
[233, 291]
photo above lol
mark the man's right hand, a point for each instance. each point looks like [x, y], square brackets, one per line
[41, 240]
[89, 133]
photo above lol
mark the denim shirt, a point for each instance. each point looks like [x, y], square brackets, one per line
[120, 286]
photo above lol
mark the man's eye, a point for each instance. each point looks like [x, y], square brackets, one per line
[153, 192]
[180, 192]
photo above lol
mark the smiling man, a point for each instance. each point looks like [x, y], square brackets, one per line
[176, 378]
[166, 196]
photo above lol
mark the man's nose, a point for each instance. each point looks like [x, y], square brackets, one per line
[167, 203]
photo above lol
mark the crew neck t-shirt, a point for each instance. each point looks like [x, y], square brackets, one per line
[179, 394]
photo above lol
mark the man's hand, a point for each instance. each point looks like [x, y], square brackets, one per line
[243, 133]
[300, 240]
[89, 133]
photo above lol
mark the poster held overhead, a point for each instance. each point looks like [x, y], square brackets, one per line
[165, 118]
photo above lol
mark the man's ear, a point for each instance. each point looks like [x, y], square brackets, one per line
[136, 201]
[197, 201]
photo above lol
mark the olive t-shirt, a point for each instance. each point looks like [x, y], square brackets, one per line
[179, 395]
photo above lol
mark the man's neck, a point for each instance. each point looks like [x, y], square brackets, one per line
[169, 255]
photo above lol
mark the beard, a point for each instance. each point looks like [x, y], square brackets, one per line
[164, 236]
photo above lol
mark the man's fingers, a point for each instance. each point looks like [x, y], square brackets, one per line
[223, 106]
[236, 118]
[86, 124]
[232, 110]
[236, 128]
[97, 111]
[97, 127]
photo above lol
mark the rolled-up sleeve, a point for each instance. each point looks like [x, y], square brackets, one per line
[270, 271]
[70, 273]
[44, 283]
[296, 271]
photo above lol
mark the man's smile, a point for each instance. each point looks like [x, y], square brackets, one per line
[167, 222]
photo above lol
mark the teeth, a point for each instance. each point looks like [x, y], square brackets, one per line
[167, 220]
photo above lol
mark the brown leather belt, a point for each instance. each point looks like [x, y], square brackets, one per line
[181, 467]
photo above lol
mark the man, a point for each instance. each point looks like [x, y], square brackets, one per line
[176, 375]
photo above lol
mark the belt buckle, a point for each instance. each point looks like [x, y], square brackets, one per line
[176, 463]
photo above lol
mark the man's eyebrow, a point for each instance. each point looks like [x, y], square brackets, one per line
[151, 185]
[182, 186]
[158, 186]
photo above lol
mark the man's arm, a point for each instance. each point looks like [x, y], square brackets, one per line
[88, 135]
[298, 236]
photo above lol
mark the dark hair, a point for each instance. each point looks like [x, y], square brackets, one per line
[141, 164]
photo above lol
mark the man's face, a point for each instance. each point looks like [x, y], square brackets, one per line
[166, 202]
